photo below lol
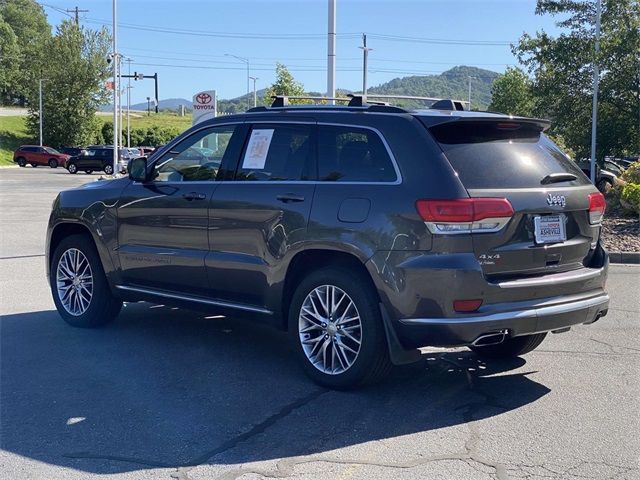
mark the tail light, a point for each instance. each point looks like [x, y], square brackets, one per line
[466, 306]
[597, 206]
[465, 215]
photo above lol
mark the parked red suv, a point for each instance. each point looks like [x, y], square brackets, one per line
[35, 155]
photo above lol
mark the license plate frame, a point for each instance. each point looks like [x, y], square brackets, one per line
[549, 229]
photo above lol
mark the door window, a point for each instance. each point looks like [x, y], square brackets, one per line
[351, 154]
[277, 153]
[196, 158]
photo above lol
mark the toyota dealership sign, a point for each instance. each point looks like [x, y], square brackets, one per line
[205, 105]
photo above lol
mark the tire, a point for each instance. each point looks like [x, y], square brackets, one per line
[22, 162]
[512, 347]
[344, 370]
[108, 169]
[34, 165]
[72, 168]
[96, 306]
[88, 172]
[53, 163]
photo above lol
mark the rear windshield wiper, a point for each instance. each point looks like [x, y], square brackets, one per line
[558, 177]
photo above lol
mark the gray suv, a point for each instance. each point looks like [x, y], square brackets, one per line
[365, 231]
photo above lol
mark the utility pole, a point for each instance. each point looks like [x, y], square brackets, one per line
[76, 11]
[365, 56]
[596, 77]
[116, 86]
[331, 52]
[40, 109]
[148, 106]
[255, 98]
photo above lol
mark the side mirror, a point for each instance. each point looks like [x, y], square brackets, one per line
[137, 169]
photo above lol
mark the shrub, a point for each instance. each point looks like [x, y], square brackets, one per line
[632, 174]
[630, 197]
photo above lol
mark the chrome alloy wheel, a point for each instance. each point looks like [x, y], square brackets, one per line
[330, 329]
[74, 281]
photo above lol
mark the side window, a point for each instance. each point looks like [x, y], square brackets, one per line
[277, 153]
[196, 158]
[351, 154]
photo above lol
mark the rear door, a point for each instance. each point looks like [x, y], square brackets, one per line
[260, 216]
[550, 228]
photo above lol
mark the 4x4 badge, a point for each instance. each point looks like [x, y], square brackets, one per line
[559, 200]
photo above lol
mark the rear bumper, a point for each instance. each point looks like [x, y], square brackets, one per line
[528, 318]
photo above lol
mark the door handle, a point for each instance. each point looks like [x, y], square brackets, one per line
[194, 196]
[290, 197]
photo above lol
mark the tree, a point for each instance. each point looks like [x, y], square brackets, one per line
[562, 68]
[511, 93]
[24, 21]
[285, 84]
[76, 71]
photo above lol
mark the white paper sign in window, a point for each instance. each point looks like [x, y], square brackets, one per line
[257, 150]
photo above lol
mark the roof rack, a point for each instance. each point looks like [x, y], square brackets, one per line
[363, 101]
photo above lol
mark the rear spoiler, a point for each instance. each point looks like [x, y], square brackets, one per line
[433, 120]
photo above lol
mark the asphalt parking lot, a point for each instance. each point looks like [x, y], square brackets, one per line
[165, 393]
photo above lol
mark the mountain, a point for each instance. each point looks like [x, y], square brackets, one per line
[450, 84]
[169, 103]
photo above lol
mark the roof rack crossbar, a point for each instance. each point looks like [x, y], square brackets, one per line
[413, 97]
[280, 101]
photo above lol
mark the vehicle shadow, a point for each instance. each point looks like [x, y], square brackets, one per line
[167, 387]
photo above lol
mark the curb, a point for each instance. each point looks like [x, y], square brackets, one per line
[624, 257]
[9, 166]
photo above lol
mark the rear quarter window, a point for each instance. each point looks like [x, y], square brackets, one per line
[503, 155]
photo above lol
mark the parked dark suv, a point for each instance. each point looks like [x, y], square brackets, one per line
[365, 231]
[92, 159]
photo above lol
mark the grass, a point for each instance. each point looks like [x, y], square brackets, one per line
[13, 129]
[13, 133]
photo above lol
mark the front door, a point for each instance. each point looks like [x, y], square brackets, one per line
[260, 216]
[163, 224]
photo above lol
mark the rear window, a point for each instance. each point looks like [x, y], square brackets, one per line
[502, 155]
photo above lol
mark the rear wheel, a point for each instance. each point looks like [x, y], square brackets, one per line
[22, 162]
[108, 169]
[79, 286]
[72, 168]
[336, 329]
[512, 347]
[53, 163]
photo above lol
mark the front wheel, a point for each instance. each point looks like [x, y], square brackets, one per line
[72, 168]
[53, 163]
[79, 285]
[336, 329]
[511, 347]
[108, 169]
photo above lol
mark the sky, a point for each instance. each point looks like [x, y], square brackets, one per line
[189, 42]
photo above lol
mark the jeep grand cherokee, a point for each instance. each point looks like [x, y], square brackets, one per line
[365, 231]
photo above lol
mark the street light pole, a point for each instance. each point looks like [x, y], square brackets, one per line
[255, 98]
[245, 60]
[331, 52]
[116, 87]
[40, 108]
[128, 103]
[596, 76]
[469, 77]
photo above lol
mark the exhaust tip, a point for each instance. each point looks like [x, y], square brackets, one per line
[492, 338]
